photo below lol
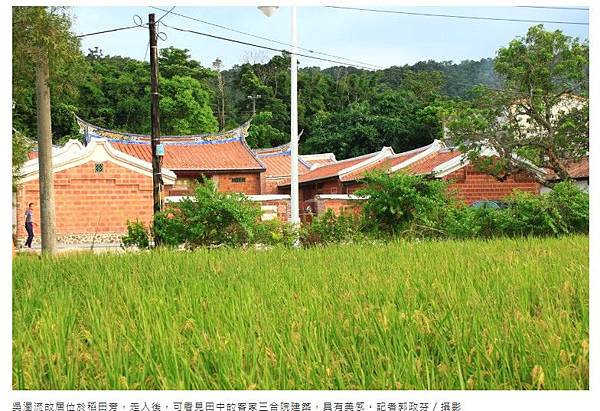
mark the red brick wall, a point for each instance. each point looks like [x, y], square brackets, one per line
[471, 185]
[283, 208]
[90, 202]
[271, 186]
[339, 207]
[252, 185]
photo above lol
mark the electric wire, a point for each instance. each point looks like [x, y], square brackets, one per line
[458, 16]
[263, 47]
[165, 15]
[107, 31]
[554, 8]
[267, 39]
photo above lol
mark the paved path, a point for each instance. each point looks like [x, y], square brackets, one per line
[64, 248]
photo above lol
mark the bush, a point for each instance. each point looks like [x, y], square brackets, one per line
[274, 232]
[470, 222]
[210, 218]
[406, 204]
[329, 228]
[137, 235]
[573, 205]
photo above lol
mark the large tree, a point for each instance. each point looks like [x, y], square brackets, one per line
[540, 114]
[44, 49]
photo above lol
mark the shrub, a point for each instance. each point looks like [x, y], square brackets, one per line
[137, 235]
[572, 204]
[209, 218]
[274, 232]
[328, 228]
[564, 210]
[470, 222]
[406, 204]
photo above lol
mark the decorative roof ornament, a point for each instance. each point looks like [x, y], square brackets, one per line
[91, 132]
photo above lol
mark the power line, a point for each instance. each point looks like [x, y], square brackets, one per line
[458, 17]
[268, 39]
[165, 15]
[553, 8]
[107, 31]
[263, 47]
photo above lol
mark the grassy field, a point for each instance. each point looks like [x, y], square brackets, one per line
[503, 314]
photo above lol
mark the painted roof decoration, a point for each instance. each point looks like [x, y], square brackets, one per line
[203, 152]
[273, 150]
[90, 131]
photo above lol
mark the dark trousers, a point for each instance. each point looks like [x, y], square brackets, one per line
[29, 228]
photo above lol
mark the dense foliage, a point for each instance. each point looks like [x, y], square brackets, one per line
[344, 110]
[405, 204]
[209, 218]
[413, 206]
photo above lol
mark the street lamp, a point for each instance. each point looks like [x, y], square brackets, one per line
[253, 98]
[295, 215]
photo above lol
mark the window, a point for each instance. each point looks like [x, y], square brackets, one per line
[99, 168]
[238, 180]
[183, 182]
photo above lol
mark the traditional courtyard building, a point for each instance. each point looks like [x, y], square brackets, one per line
[278, 163]
[97, 188]
[103, 183]
[331, 186]
[222, 157]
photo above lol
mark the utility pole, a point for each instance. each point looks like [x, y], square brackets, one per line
[46, 180]
[154, 112]
[253, 98]
[217, 65]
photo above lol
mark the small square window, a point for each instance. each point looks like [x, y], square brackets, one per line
[238, 180]
[99, 167]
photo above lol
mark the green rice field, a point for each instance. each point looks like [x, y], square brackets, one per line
[501, 314]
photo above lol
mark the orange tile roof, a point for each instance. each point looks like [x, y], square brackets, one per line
[322, 161]
[383, 164]
[330, 170]
[427, 164]
[31, 155]
[579, 169]
[279, 165]
[231, 154]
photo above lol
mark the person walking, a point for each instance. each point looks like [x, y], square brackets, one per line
[29, 224]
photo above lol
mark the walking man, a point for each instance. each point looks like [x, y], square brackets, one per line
[29, 224]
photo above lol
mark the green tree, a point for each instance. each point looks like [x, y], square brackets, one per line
[262, 134]
[537, 114]
[43, 33]
[185, 107]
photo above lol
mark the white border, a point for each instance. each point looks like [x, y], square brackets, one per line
[472, 400]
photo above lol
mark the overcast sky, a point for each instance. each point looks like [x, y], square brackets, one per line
[376, 38]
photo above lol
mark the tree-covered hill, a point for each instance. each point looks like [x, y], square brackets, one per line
[345, 110]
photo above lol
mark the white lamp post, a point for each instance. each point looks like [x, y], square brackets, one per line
[295, 215]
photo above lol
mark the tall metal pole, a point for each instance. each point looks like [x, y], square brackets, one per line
[155, 139]
[46, 180]
[295, 214]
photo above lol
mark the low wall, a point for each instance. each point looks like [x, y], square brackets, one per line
[340, 204]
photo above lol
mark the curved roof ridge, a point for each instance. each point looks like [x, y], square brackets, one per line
[240, 131]
[277, 149]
